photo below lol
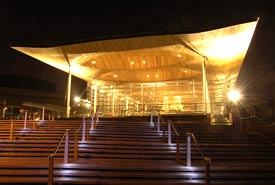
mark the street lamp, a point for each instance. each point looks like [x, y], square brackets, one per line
[234, 95]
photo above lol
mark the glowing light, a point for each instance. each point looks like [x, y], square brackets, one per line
[88, 105]
[143, 61]
[147, 76]
[93, 62]
[179, 55]
[230, 46]
[157, 75]
[115, 75]
[234, 95]
[185, 71]
[76, 99]
[132, 62]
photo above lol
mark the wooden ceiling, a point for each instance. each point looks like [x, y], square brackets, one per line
[152, 58]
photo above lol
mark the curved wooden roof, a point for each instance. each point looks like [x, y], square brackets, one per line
[152, 58]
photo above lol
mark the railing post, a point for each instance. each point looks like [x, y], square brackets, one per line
[163, 132]
[92, 121]
[88, 131]
[83, 129]
[158, 125]
[208, 177]
[76, 145]
[178, 149]
[169, 133]
[97, 117]
[50, 172]
[151, 120]
[188, 152]
[25, 120]
[11, 130]
[66, 149]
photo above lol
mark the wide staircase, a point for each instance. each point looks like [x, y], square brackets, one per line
[128, 152]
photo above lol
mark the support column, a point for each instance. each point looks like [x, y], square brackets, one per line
[68, 108]
[205, 93]
[95, 95]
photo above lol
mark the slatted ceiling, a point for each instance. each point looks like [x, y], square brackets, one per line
[159, 52]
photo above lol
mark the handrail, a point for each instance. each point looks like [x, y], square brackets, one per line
[261, 122]
[190, 134]
[174, 128]
[206, 159]
[60, 141]
[66, 152]
[177, 140]
[196, 142]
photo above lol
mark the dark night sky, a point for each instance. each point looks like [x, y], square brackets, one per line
[44, 23]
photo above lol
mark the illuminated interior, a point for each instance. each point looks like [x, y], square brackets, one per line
[180, 73]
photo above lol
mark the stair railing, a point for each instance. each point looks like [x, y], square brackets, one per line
[65, 137]
[207, 160]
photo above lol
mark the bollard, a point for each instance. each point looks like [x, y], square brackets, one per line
[151, 120]
[25, 120]
[169, 133]
[188, 152]
[66, 148]
[50, 172]
[83, 129]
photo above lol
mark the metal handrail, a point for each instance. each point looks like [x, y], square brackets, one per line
[66, 152]
[60, 141]
[177, 140]
[174, 128]
[196, 142]
[204, 157]
[261, 122]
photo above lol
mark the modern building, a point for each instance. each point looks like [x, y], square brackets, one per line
[172, 74]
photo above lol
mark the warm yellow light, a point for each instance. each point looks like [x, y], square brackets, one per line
[147, 76]
[132, 62]
[88, 105]
[230, 46]
[143, 61]
[234, 95]
[93, 62]
[179, 55]
[157, 75]
[76, 99]
[185, 71]
[115, 75]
